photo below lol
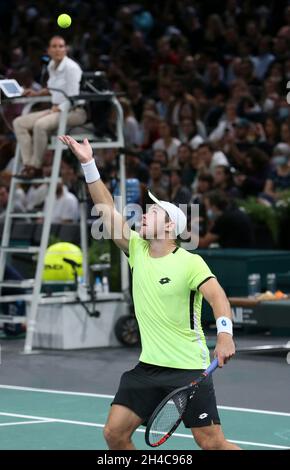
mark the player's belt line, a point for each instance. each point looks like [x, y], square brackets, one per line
[98, 395]
[97, 425]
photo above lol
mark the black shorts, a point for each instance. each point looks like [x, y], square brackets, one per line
[144, 387]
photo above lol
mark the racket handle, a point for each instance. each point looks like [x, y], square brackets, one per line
[214, 364]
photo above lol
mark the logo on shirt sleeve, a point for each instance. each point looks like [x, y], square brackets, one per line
[164, 280]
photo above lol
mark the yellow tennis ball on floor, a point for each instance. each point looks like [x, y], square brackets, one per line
[64, 20]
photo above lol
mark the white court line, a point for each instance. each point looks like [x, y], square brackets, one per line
[97, 425]
[44, 418]
[60, 392]
[39, 421]
[253, 410]
[98, 395]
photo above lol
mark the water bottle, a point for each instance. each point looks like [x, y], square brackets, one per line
[82, 289]
[271, 282]
[99, 287]
[254, 284]
[105, 283]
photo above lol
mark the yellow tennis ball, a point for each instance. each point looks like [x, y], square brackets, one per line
[55, 268]
[64, 20]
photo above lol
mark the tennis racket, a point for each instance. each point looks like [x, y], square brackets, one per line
[169, 413]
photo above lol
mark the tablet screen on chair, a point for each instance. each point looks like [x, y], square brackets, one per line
[11, 88]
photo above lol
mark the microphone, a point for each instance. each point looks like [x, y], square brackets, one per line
[73, 263]
[45, 59]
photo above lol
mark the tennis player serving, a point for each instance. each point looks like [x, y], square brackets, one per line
[168, 286]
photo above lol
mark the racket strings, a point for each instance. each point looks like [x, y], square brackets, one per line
[168, 416]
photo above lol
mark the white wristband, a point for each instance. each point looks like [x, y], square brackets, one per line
[224, 325]
[91, 172]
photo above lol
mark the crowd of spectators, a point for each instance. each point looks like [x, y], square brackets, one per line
[204, 95]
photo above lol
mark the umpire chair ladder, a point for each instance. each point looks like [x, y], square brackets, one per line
[35, 298]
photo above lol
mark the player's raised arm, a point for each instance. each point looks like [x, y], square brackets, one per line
[115, 224]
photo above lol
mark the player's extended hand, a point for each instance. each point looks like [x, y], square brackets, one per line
[225, 348]
[83, 152]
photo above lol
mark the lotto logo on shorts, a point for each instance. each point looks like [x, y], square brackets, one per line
[203, 415]
[164, 280]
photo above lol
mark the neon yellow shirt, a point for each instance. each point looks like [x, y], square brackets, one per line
[168, 305]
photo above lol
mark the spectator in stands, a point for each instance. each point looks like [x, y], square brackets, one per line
[66, 207]
[182, 104]
[167, 142]
[183, 157]
[149, 129]
[223, 180]
[213, 35]
[270, 96]
[279, 178]
[131, 128]
[165, 54]
[216, 89]
[285, 133]
[180, 194]
[188, 133]
[150, 105]
[136, 98]
[251, 180]
[135, 168]
[226, 122]
[189, 72]
[190, 171]
[7, 150]
[138, 55]
[271, 132]
[69, 176]
[4, 195]
[164, 99]
[264, 58]
[159, 181]
[160, 156]
[188, 110]
[209, 159]
[248, 74]
[242, 129]
[64, 74]
[228, 226]
[236, 143]
[204, 184]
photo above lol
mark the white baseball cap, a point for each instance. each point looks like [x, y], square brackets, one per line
[175, 214]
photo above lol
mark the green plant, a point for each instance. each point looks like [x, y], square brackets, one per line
[53, 239]
[262, 213]
[97, 248]
[283, 205]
